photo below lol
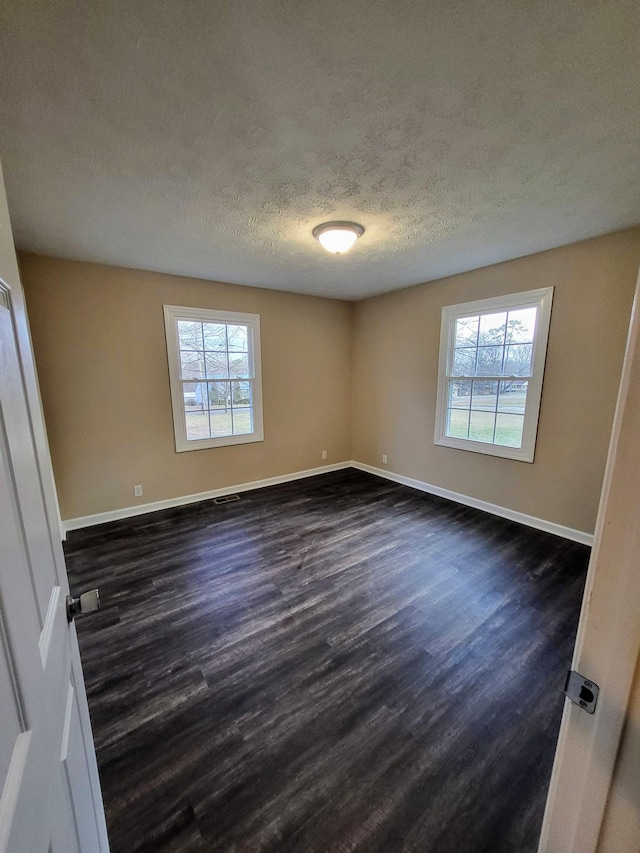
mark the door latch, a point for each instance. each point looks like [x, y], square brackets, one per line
[581, 691]
[88, 602]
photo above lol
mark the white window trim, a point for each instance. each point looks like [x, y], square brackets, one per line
[542, 299]
[173, 313]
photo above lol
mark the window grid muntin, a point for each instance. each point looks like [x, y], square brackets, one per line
[505, 342]
[474, 376]
[207, 381]
[479, 409]
[212, 410]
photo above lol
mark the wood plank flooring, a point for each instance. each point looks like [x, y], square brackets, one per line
[331, 665]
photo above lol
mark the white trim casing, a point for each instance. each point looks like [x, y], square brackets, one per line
[183, 500]
[502, 512]
[607, 641]
[542, 300]
[173, 313]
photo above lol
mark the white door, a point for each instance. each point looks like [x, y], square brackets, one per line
[608, 639]
[50, 798]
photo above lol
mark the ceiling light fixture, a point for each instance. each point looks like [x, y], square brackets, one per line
[337, 237]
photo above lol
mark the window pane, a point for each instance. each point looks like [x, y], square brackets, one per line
[459, 394]
[197, 422]
[464, 361]
[237, 337]
[215, 336]
[189, 335]
[238, 365]
[189, 394]
[481, 426]
[457, 423]
[513, 396]
[492, 328]
[242, 421]
[221, 420]
[521, 325]
[518, 359]
[467, 331]
[241, 393]
[217, 365]
[509, 430]
[220, 395]
[489, 361]
[200, 395]
[191, 365]
[484, 394]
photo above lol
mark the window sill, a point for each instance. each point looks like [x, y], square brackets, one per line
[520, 454]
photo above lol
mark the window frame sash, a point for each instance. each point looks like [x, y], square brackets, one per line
[172, 315]
[542, 299]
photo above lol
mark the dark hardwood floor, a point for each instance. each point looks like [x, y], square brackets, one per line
[331, 665]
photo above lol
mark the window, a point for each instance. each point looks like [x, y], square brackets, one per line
[214, 372]
[492, 355]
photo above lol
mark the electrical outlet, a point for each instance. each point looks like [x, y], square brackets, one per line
[384, 458]
[137, 491]
[324, 454]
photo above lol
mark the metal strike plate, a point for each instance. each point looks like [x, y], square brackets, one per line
[582, 692]
[88, 602]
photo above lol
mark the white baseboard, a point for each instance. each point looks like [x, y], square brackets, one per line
[142, 509]
[476, 503]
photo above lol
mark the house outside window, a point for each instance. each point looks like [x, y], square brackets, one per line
[492, 355]
[215, 377]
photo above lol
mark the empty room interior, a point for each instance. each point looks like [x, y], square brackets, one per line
[328, 306]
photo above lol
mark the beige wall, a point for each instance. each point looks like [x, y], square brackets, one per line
[357, 380]
[395, 366]
[98, 335]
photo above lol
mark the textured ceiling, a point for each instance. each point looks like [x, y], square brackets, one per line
[208, 138]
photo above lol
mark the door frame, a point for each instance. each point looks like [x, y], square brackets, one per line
[608, 638]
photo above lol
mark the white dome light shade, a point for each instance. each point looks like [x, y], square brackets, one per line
[338, 237]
